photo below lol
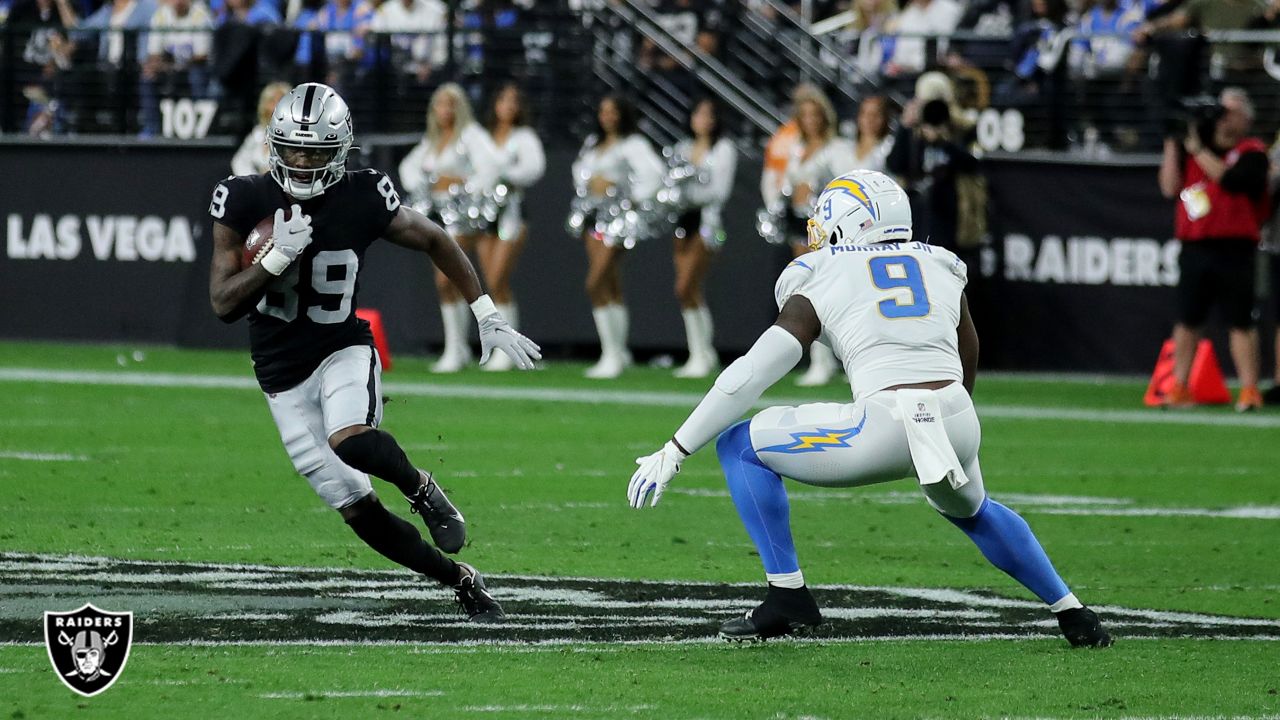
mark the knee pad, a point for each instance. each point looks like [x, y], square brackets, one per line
[959, 504]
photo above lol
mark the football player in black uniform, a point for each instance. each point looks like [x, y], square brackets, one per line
[312, 356]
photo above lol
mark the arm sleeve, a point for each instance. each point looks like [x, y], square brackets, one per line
[530, 162]
[1248, 176]
[412, 177]
[485, 163]
[646, 167]
[738, 388]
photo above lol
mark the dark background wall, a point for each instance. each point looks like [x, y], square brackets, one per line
[1088, 319]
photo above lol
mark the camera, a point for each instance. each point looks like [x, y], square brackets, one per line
[1198, 113]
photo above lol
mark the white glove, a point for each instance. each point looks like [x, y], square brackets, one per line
[288, 239]
[496, 332]
[655, 472]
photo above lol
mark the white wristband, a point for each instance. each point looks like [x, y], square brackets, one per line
[483, 307]
[275, 261]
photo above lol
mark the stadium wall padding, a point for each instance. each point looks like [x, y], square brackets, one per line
[1067, 283]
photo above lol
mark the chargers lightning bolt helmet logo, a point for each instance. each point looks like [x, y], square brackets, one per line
[860, 208]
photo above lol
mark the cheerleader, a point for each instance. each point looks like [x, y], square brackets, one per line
[523, 164]
[874, 141]
[455, 156]
[818, 158]
[700, 229]
[616, 164]
[252, 157]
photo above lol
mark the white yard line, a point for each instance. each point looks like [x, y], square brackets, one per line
[41, 457]
[300, 695]
[621, 397]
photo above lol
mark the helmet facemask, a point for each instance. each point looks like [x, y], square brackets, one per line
[308, 139]
[307, 170]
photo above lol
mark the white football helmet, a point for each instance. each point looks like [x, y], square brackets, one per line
[860, 208]
[309, 136]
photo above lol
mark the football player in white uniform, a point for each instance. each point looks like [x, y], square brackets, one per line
[895, 313]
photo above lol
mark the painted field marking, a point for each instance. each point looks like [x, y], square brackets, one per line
[41, 457]
[610, 397]
[1023, 502]
[301, 695]
[198, 604]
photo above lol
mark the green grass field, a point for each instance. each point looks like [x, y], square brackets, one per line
[164, 468]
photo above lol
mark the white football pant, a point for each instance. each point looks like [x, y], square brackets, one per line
[865, 442]
[345, 390]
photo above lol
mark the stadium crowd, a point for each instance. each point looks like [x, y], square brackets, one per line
[78, 60]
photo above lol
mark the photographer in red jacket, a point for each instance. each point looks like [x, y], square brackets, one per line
[1219, 176]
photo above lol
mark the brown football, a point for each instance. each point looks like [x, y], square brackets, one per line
[258, 242]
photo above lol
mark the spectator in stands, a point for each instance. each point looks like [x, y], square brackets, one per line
[253, 156]
[1103, 56]
[238, 43]
[344, 24]
[112, 40]
[177, 57]
[1219, 176]
[818, 157]
[455, 160]
[522, 162]
[871, 19]
[929, 157]
[919, 17]
[418, 46]
[699, 233]
[1210, 15]
[46, 54]
[616, 164]
[873, 141]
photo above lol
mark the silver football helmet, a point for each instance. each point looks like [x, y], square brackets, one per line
[308, 139]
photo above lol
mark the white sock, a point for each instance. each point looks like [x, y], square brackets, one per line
[603, 317]
[793, 580]
[1069, 602]
[454, 336]
[820, 356]
[511, 313]
[622, 322]
[692, 331]
[708, 334]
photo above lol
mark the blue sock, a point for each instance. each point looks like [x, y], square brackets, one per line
[1005, 539]
[761, 500]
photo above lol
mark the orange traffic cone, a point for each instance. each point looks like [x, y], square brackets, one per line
[1206, 385]
[374, 318]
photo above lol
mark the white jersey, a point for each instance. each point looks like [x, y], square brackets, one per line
[889, 311]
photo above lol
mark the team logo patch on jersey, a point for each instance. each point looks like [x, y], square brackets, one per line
[818, 440]
[856, 190]
[88, 647]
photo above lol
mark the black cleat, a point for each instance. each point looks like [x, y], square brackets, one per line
[444, 522]
[475, 601]
[785, 611]
[1081, 627]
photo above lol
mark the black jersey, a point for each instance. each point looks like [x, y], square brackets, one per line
[308, 313]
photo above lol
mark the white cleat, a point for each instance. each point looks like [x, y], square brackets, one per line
[698, 367]
[609, 367]
[452, 362]
[499, 362]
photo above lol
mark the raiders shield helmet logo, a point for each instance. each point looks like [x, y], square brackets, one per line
[88, 647]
